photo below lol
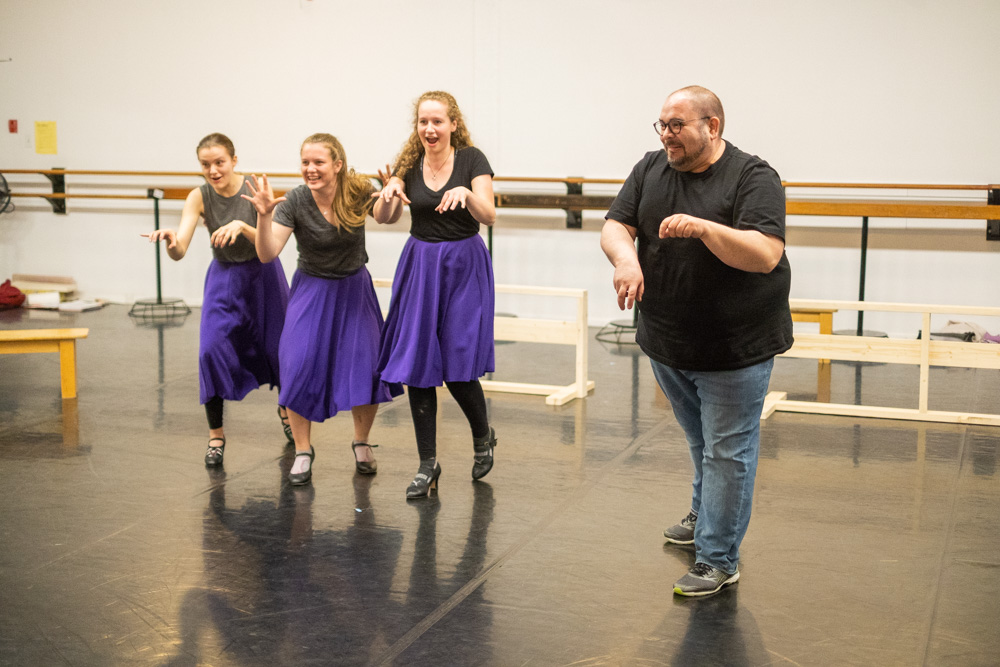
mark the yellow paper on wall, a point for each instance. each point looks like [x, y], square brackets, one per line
[45, 137]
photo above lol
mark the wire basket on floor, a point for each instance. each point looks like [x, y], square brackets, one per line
[159, 312]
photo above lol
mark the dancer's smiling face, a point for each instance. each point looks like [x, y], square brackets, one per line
[319, 169]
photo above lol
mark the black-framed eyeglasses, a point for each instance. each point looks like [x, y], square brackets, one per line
[675, 125]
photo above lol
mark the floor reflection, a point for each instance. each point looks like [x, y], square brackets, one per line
[159, 324]
[720, 632]
[435, 589]
[43, 440]
[984, 453]
[277, 591]
[118, 547]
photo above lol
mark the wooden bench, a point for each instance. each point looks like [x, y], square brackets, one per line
[554, 332]
[63, 341]
[823, 317]
[922, 352]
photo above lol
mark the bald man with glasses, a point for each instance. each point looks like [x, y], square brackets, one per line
[711, 281]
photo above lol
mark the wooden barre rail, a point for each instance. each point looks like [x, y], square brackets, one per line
[531, 179]
[574, 201]
[874, 208]
[894, 208]
[889, 186]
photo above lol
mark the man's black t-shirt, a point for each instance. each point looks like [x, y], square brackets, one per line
[698, 313]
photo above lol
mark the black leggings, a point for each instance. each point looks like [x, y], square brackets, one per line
[213, 408]
[423, 407]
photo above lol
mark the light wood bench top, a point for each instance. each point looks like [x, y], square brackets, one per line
[10, 335]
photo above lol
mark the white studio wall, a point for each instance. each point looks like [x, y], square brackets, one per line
[879, 91]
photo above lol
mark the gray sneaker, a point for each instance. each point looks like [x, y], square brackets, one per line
[682, 533]
[704, 579]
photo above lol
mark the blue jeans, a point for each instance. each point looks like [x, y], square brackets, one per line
[720, 414]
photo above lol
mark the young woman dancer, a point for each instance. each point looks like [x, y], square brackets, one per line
[440, 323]
[244, 300]
[329, 347]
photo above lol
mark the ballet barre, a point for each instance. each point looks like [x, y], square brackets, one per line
[988, 210]
[555, 332]
[63, 341]
[573, 200]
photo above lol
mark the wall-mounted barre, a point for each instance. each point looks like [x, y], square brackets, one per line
[574, 201]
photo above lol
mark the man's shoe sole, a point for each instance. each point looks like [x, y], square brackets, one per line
[674, 540]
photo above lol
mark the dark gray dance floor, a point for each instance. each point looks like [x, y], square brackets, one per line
[872, 542]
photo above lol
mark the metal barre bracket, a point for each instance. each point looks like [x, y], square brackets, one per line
[58, 181]
[993, 226]
[574, 219]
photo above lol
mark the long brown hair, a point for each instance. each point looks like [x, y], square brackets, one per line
[352, 200]
[413, 149]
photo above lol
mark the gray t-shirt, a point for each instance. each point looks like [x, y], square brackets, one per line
[219, 211]
[325, 251]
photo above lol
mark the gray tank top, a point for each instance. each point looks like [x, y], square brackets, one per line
[220, 211]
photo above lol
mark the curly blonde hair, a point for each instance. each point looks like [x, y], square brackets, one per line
[353, 200]
[413, 150]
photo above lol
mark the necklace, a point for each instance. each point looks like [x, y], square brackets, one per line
[434, 172]
[325, 209]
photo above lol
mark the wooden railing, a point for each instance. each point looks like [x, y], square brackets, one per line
[923, 353]
[574, 200]
[553, 332]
